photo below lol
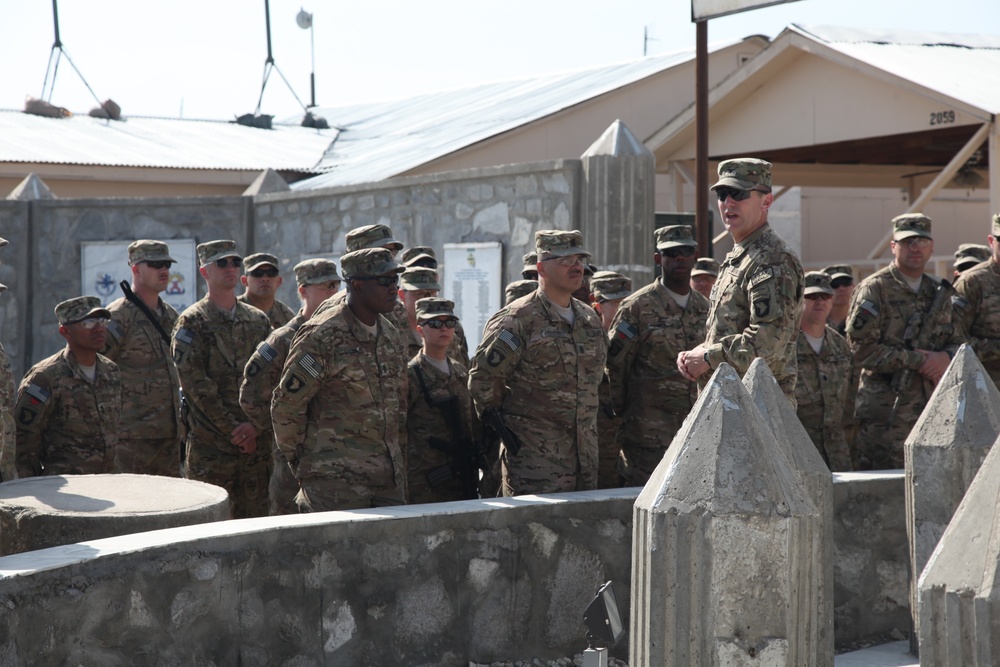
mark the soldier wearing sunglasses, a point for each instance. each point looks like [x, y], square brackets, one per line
[338, 411]
[212, 342]
[69, 405]
[150, 439]
[757, 299]
[842, 282]
[261, 280]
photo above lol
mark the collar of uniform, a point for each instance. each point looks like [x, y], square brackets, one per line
[898, 275]
[74, 365]
[756, 234]
[550, 311]
[358, 329]
[994, 266]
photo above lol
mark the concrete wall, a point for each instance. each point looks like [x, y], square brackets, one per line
[419, 585]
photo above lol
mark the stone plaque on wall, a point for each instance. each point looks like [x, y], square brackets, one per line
[471, 277]
[105, 264]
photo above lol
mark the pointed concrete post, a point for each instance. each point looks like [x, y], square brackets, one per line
[943, 454]
[618, 203]
[788, 432]
[959, 590]
[725, 542]
[30, 189]
[267, 181]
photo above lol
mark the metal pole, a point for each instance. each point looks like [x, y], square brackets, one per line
[55, 20]
[312, 73]
[704, 234]
[267, 20]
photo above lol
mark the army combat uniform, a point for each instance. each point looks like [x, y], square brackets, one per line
[211, 348]
[648, 390]
[66, 424]
[278, 316]
[823, 392]
[977, 312]
[885, 316]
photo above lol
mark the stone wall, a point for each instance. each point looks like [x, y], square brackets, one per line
[419, 585]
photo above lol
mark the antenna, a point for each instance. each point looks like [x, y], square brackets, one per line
[255, 119]
[646, 39]
[55, 55]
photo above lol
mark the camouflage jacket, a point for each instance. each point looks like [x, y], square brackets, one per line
[427, 416]
[885, 315]
[151, 405]
[338, 408]
[278, 316]
[211, 348]
[647, 334]
[8, 394]
[543, 376]
[977, 311]
[66, 424]
[756, 303]
[822, 393]
[263, 371]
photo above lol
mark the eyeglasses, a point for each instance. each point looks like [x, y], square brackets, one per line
[737, 195]
[381, 281]
[819, 296]
[678, 251]
[568, 261]
[93, 322]
[914, 242]
[226, 262]
[332, 286]
[260, 273]
[437, 324]
[841, 282]
[164, 264]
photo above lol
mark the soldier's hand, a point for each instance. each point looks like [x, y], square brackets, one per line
[244, 437]
[692, 363]
[934, 366]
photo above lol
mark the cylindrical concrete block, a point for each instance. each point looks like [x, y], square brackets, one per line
[41, 512]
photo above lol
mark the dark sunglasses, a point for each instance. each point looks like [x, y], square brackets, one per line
[260, 273]
[163, 264]
[820, 296]
[381, 281]
[235, 262]
[841, 282]
[737, 195]
[678, 251]
[437, 324]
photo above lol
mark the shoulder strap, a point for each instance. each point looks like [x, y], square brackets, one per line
[415, 365]
[130, 295]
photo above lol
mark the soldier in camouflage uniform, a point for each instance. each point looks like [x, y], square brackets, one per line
[538, 369]
[338, 412]
[977, 306]
[317, 280]
[8, 394]
[69, 405]
[416, 284]
[842, 282]
[530, 269]
[212, 342]
[825, 373]
[517, 289]
[607, 289]
[438, 396]
[901, 332]
[149, 442]
[652, 327]
[757, 300]
[261, 280]
[703, 275]
[419, 256]
[969, 255]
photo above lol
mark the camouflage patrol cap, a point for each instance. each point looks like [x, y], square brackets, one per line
[911, 224]
[434, 306]
[519, 288]
[315, 271]
[530, 263]
[559, 243]
[673, 236]
[419, 278]
[745, 173]
[259, 259]
[609, 286]
[970, 254]
[817, 282]
[369, 262]
[213, 250]
[995, 227]
[839, 271]
[371, 236]
[80, 308]
[421, 255]
[148, 251]
[705, 266]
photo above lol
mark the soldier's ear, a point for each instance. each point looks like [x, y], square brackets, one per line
[657, 257]
[64, 331]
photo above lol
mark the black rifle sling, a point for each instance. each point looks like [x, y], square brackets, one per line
[130, 295]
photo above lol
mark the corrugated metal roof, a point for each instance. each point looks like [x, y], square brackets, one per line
[963, 67]
[170, 143]
[381, 140]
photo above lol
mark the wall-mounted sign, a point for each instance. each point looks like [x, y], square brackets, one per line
[105, 264]
[709, 9]
[471, 277]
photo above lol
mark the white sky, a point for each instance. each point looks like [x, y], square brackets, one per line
[155, 57]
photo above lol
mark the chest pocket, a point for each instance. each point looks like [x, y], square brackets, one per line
[358, 391]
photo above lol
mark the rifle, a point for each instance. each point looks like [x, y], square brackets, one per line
[493, 420]
[917, 336]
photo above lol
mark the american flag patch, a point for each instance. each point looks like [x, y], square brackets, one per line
[267, 352]
[869, 307]
[626, 330]
[512, 341]
[310, 365]
[184, 335]
[41, 394]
